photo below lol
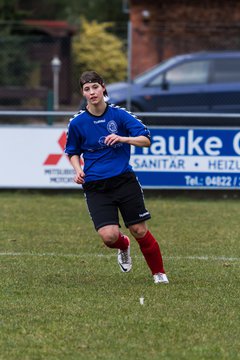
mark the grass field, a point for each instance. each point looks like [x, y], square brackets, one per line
[64, 297]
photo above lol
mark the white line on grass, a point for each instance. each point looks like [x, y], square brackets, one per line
[206, 258]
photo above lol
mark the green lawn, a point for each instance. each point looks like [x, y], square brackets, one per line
[63, 295]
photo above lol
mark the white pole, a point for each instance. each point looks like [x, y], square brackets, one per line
[55, 90]
[56, 64]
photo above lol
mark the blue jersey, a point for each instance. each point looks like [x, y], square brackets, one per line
[87, 133]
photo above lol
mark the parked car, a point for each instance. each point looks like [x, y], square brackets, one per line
[204, 82]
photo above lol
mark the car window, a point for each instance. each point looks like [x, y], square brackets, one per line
[157, 81]
[154, 71]
[192, 72]
[226, 71]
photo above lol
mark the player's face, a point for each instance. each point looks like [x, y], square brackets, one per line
[93, 92]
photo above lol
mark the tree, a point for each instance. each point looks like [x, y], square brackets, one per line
[14, 64]
[99, 10]
[70, 10]
[10, 11]
[94, 48]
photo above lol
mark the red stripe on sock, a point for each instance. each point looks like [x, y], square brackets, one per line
[151, 252]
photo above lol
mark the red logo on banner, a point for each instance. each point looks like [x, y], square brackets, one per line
[53, 159]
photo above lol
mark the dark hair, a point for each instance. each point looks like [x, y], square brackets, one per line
[92, 76]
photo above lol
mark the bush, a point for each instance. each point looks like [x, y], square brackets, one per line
[94, 48]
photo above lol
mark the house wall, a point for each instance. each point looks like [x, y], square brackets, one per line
[43, 51]
[163, 28]
[49, 39]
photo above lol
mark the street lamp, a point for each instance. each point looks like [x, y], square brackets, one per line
[56, 65]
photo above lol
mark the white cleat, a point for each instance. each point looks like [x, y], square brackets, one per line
[160, 278]
[124, 259]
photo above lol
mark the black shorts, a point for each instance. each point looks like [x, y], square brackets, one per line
[105, 197]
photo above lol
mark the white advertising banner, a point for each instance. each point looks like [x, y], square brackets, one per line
[193, 158]
[33, 157]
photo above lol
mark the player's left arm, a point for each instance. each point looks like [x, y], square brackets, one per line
[136, 133]
[141, 140]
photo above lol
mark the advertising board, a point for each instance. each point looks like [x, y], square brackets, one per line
[32, 157]
[190, 158]
[178, 158]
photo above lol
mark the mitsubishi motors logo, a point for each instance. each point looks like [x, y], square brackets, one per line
[53, 159]
[59, 174]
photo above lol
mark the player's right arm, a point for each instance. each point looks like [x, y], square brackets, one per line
[80, 175]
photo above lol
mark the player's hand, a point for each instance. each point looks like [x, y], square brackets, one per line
[113, 139]
[79, 177]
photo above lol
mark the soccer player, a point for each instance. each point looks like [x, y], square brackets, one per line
[103, 133]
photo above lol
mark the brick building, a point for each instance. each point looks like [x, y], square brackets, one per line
[163, 28]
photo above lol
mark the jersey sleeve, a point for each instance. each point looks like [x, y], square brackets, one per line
[73, 144]
[134, 126]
